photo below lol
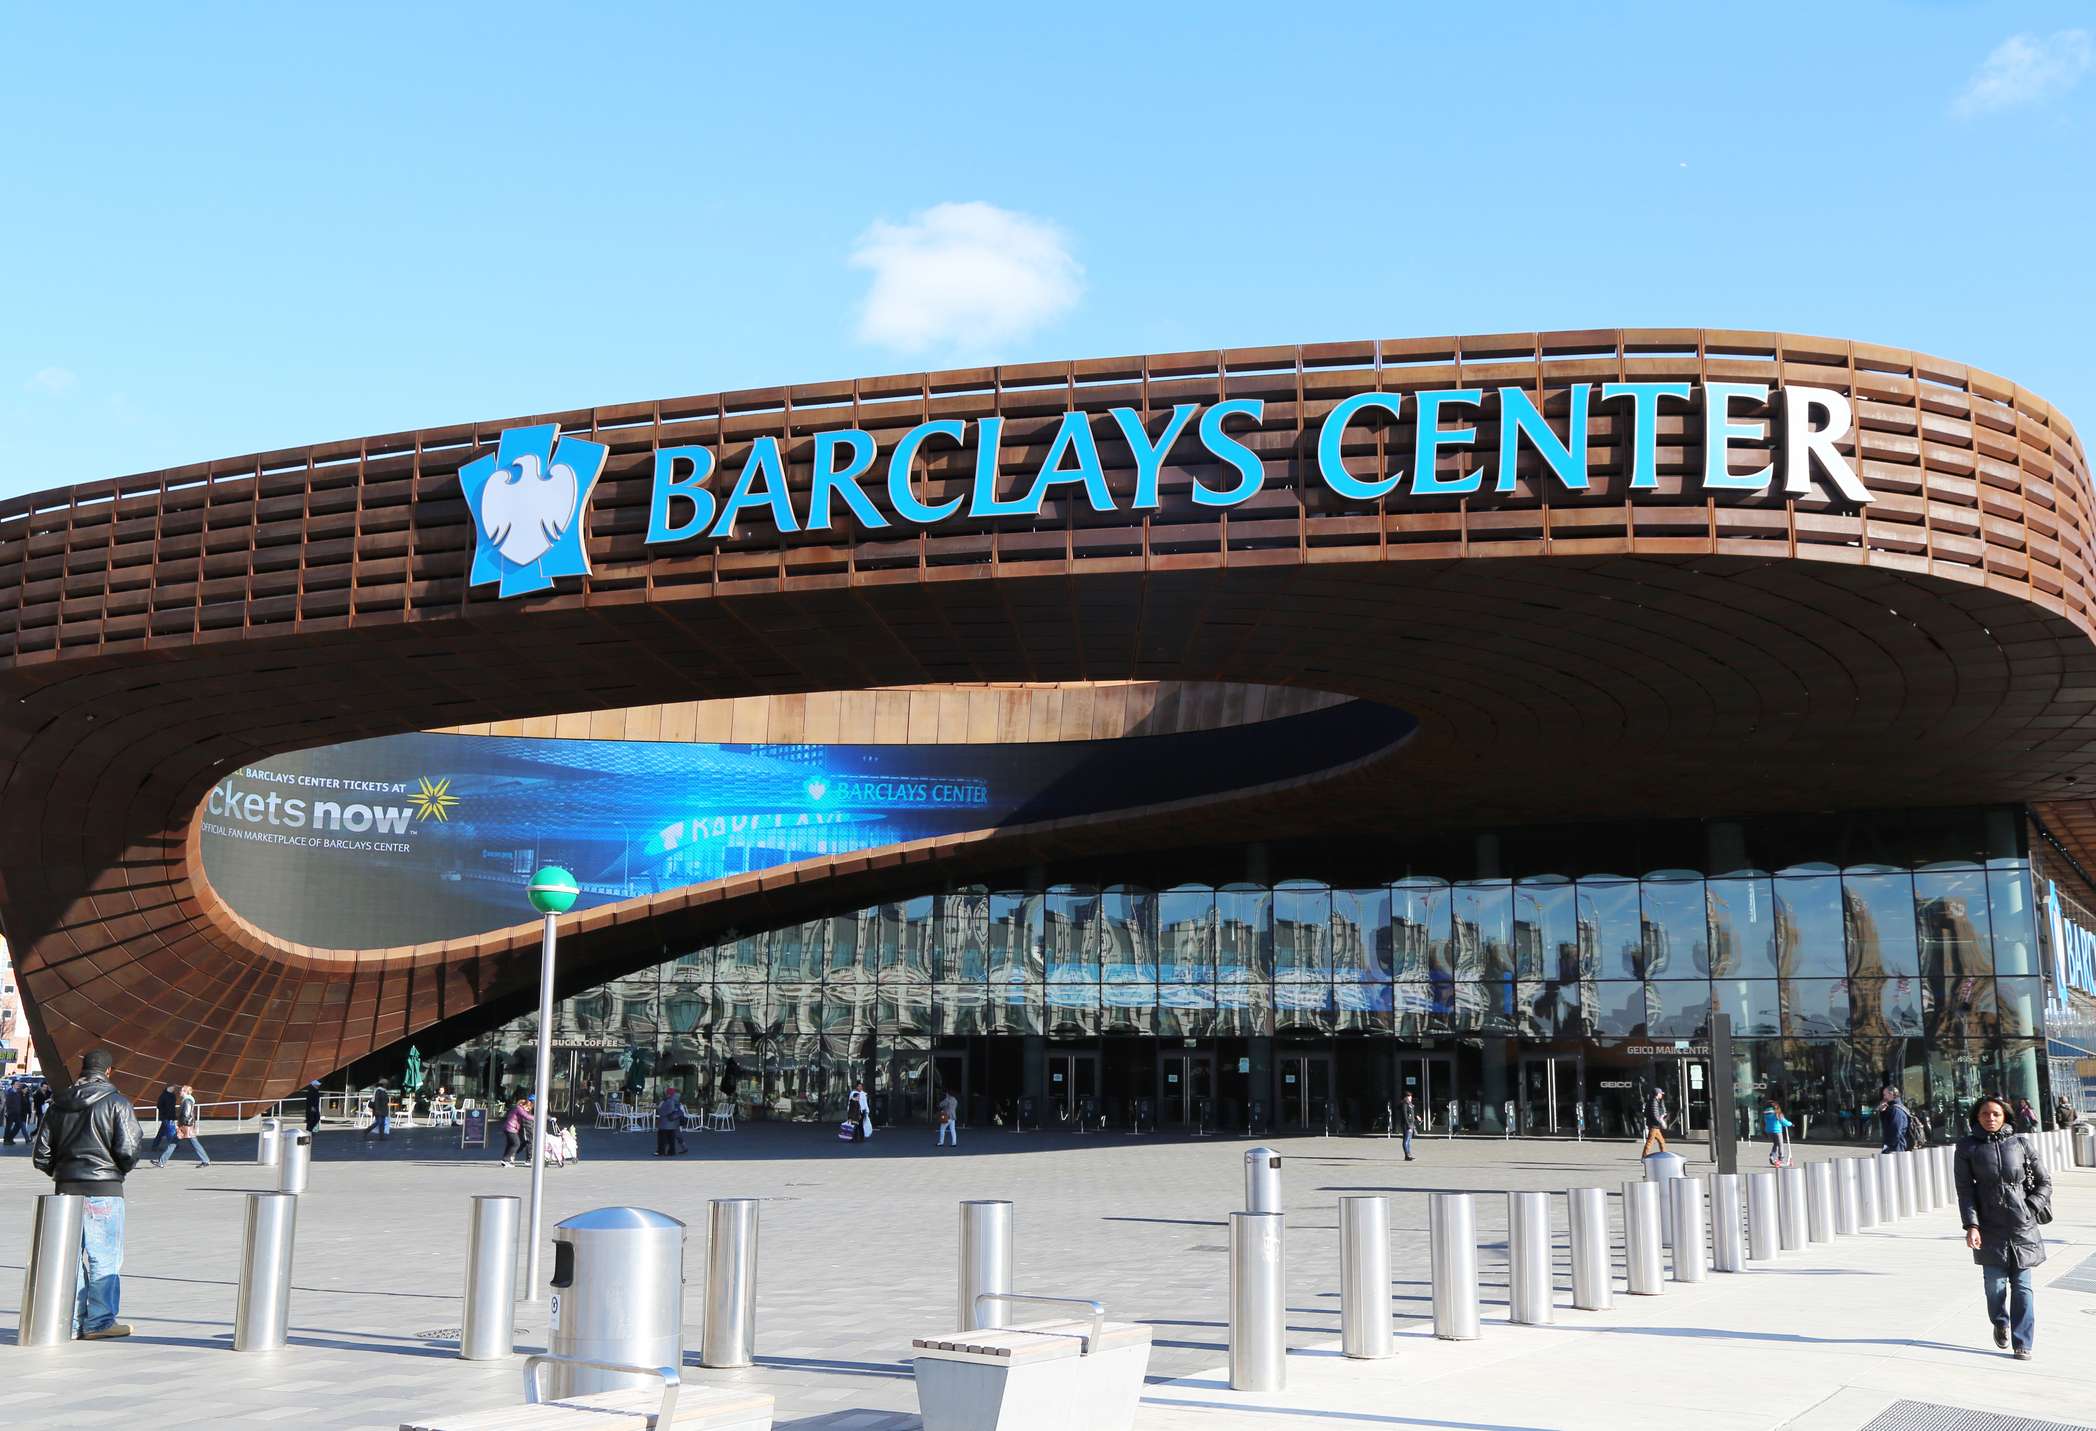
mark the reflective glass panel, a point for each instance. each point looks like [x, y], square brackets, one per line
[1015, 936]
[2015, 931]
[960, 1008]
[1810, 939]
[1617, 1006]
[1302, 929]
[1072, 958]
[964, 939]
[1880, 909]
[2022, 1002]
[1361, 936]
[1814, 1007]
[1244, 952]
[1186, 935]
[1546, 931]
[1611, 931]
[1483, 914]
[1675, 931]
[1678, 1008]
[1127, 945]
[1752, 1003]
[1742, 929]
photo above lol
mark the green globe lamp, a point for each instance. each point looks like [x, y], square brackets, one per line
[553, 892]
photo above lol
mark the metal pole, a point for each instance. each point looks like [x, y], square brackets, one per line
[262, 1317]
[1847, 1201]
[1728, 1240]
[1819, 1201]
[730, 1335]
[1763, 1200]
[1888, 1187]
[1452, 1243]
[1641, 1238]
[1592, 1276]
[1903, 1167]
[1364, 1277]
[1724, 1109]
[1691, 1231]
[986, 1261]
[1790, 1208]
[48, 1285]
[1866, 1193]
[1529, 1253]
[488, 1330]
[542, 1080]
[1937, 1190]
[1258, 1344]
[294, 1159]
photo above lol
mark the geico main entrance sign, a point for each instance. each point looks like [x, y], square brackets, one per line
[686, 506]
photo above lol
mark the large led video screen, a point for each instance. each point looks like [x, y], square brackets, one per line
[413, 838]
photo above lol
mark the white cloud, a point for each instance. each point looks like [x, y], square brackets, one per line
[2025, 69]
[963, 275]
[51, 382]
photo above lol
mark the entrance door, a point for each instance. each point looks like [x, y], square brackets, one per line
[1306, 1089]
[950, 1075]
[1550, 1093]
[1187, 1080]
[1073, 1080]
[1431, 1080]
[1691, 1094]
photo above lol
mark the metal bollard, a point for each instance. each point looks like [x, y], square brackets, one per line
[1641, 1239]
[1791, 1224]
[1258, 1341]
[296, 1154]
[1866, 1193]
[1728, 1238]
[1364, 1277]
[262, 1317]
[1531, 1284]
[1888, 1187]
[269, 1143]
[49, 1284]
[1946, 1179]
[1451, 1222]
[1764, 1198]
[1593, 1275]
[1933, 1160]
[730, 1335]
[488, 1330]
[1262, 1180]
[1903, 1165]
[986, 1261]
[1691, 1230]
[1847, 1201]
[1819, 1201]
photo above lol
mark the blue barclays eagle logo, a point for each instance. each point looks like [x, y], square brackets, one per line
[527, 499]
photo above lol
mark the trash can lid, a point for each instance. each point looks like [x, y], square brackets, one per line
[1664, 1165]
[599, 1219]
[1253, 1155]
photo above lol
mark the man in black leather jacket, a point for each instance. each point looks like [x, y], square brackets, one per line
[88, 1142]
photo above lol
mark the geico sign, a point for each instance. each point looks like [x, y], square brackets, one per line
[686, 506]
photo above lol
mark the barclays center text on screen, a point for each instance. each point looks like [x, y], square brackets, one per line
[1810, 422]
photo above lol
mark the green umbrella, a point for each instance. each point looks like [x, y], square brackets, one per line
[413, 1079]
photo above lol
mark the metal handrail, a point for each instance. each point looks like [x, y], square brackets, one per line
[1098, 1310]
[671, 1381]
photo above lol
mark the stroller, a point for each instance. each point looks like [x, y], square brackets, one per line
[560, 1144]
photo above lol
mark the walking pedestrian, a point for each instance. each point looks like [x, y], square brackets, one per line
[165, 1107]
[88, 1142]
[381, 1112]
[15, 1110]
[1777, 1125]
[1408, 1115]
[514, 1140]
[2063, 1114]
[2004, 1196]
[2026, 1116]
[1893, 1123]
[861, 1113]
[312, 1105]
[949, 1120]
[1655, 1122]
[186, 1114]
[669, 1125]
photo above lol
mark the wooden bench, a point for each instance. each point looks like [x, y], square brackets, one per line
[1081, 1375]
[676, 1407]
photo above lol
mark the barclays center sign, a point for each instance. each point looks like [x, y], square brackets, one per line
[527, 497]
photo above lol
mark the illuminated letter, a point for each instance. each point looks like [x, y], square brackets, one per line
[1251, 472]
[844, 481]
[900, 497]
[1428, 439]
[1332, 467]
[1719, 429]
[764, 462]
[1073, 437]
[1802, 442]
[1149, 457]
[1644, 424]
[1518, 414]
[692, 489]
[983, 500]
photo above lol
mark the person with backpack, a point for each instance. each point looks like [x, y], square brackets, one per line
[2004, 1198]
[1777, 1125]
[185, 1130]
[1893, 1123]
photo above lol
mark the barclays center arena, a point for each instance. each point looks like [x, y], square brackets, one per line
[1222, 741]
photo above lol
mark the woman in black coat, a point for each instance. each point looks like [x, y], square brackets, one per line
[2004, 1195]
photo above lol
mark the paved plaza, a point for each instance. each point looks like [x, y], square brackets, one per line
[858, 1254]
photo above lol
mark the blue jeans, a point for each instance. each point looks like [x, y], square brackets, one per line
[101, 1258]
[2009, 1304]
[1408, 1140]
[196, 1144]
[166, 1137]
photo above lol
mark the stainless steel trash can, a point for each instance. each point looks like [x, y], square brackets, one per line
[295, 1155]
[2085, 1145]
[1262, 1180]
[618, 1295]
[269, 1142]
[1664, 1167]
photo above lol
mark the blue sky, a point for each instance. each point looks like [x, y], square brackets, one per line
[231, 229]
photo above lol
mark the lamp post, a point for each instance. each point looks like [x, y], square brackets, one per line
[553, 892]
